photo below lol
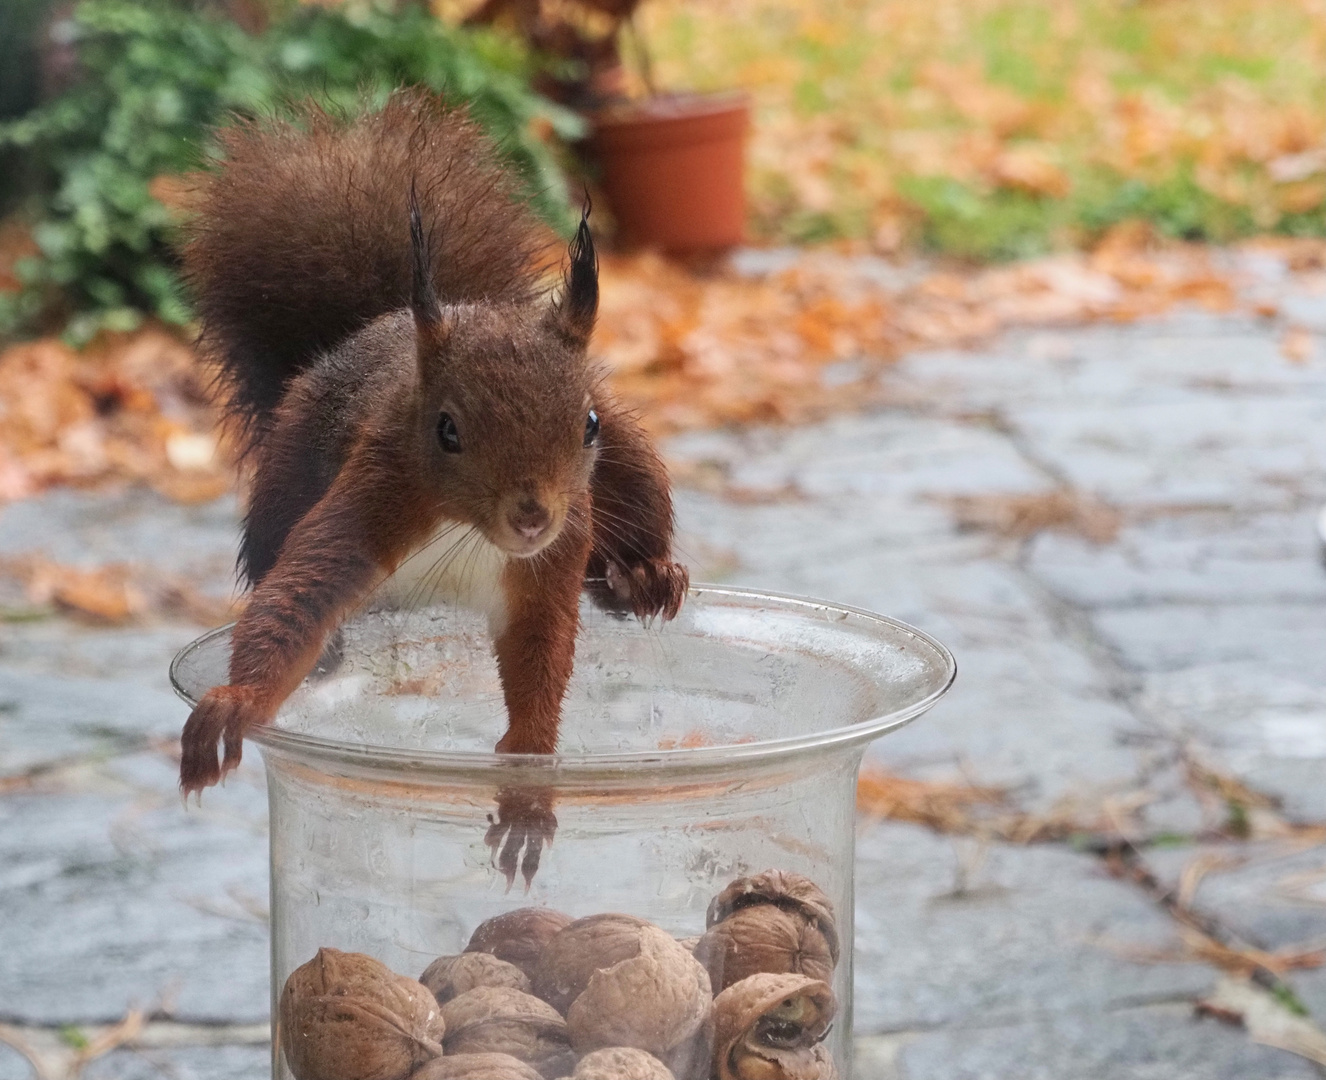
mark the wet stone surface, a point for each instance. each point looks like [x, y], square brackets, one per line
[1101, 677]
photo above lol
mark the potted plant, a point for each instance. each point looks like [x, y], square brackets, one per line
[670, 165]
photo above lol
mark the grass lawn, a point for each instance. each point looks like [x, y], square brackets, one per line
[999, 128]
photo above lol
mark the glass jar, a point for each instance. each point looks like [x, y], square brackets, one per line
[693, 755]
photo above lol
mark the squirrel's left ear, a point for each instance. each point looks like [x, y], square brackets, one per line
[429, 320]
[573, 314]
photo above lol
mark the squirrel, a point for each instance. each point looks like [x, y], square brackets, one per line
[419, 416]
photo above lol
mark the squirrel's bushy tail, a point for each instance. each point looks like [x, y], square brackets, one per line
[302, 235]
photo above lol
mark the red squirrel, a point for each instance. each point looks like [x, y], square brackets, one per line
[420, 417]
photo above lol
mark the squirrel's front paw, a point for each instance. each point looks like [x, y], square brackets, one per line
[649, 588]
[223, 715]
[525, 820]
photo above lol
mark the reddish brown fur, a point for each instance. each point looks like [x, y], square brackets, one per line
[340, 355]
[633, 521]
[536, 651]
[303, 236]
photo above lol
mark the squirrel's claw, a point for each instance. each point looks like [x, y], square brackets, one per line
[218, 721]
[649, 588]
[525, 821]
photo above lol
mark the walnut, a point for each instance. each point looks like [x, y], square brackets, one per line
[518, 937]
[499, 1020]
[770, 1027]
[575, 953]
[477, 1067]
[764, 938]
[621, 1063]
[624, 982]
[346, 1016]
[692, 1059]
[449, 976]
[783, 889]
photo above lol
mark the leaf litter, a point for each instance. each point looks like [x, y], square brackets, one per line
[769, 337]
[1008, 126]
[1107, 827]
[108, 594]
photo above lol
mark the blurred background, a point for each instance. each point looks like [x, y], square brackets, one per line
[1009, 324]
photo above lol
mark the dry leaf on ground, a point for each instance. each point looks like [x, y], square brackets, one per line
[113, 593]
[798, 343]
[1268, 1021]
[940, 805]
[867, 114]
[61, 1062]
[131, 408]
[960, 808]
[1022, 515]
[809, 337]
[1297, 345]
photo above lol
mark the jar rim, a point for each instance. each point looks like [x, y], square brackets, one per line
[548, 768]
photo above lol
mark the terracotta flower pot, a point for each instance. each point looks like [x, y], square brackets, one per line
[672, 170]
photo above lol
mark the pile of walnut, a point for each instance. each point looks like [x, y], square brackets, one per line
[538, 996]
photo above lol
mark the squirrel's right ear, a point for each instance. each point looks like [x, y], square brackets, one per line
[429, 320]
[574, 313]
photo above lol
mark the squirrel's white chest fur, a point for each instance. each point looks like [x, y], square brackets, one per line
[457, 565]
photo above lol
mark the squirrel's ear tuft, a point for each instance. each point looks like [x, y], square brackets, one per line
[579, 304]
[424, 303]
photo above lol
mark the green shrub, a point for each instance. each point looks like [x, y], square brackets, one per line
[159, 76]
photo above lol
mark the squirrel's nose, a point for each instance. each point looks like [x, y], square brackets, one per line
[529, 519]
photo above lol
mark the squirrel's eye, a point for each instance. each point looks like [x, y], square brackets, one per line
[447, 434]
[591, 427]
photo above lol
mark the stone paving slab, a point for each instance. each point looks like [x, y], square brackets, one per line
[1273, 894]
[59, 648]
[1029, 709]
[197, 540]
[1146, 363]
[1193, 558]
[45, 719]
[1194, 411]
[189, 1063]
[115, 897]
[1262, 719]
[178, 1063]
[1210, 449]
[13, 1066]
[1280, 638]
[1134, 1044]
[953, 934]
[886, 455]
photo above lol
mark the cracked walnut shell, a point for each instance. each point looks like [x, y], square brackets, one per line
[499, 1020]
[347, 1016]
[450, 976]
[575, 953]
[519, 936]
[771, 1027]
[624, 982]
